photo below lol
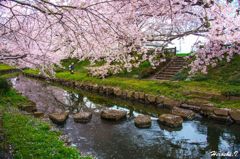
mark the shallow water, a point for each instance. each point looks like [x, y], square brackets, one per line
[121, 140]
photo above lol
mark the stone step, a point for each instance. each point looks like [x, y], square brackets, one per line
[162, 78]
[177, 65]
[165, 76]
[168, 73]
[179, 60]
[174, 67]
[172, 70]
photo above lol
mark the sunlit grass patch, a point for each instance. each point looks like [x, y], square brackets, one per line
[5, 67]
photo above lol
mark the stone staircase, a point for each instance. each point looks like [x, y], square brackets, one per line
[173, 67]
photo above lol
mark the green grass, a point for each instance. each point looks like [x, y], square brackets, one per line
[13, 99]
[32, 71]
[227, 104]
[168, 88]
[32, 138]
[5, 67]
[146, 86]
[172, 89]
[213, 83]
[78, 65]
[10, 75]
[182, 54]
[144, 70]
[227, 72]
[224, 72]
[29, 137]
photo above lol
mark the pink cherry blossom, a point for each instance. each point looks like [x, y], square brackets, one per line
[41, 33]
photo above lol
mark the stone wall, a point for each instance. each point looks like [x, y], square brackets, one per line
[205, 109]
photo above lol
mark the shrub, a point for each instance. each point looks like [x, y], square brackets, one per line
[147, 72]
[181, 76]
[4, 86]
[199, 77]
[143, 71]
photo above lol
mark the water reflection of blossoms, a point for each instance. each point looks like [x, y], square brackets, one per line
[76, 102]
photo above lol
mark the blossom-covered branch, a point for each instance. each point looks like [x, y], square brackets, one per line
[112, 30]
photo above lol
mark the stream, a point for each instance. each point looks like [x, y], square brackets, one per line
[120, 140]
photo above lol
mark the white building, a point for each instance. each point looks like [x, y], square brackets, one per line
[183, 45]
[186, 44]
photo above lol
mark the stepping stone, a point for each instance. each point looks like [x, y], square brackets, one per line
[38, 114]
[29, 108]
[117, 92]
[221, 111]
[58, 118]
[184, 113]
[170, 103]
[221, 118]
[191, 107]
[143, 121]
[171, 120]
[207, 110]
[111, 114]
[150, 98]
[235, 115]
[82, 117]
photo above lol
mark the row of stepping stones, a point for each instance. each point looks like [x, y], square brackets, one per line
[141, 121]
[185, 114]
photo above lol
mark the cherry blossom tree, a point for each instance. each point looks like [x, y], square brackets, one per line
[40, 33]
[223, 38]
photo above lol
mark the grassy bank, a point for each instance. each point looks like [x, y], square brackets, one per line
[225, 72]
[172, 89]
[30, 137]
[5, 67]
[220, 81]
